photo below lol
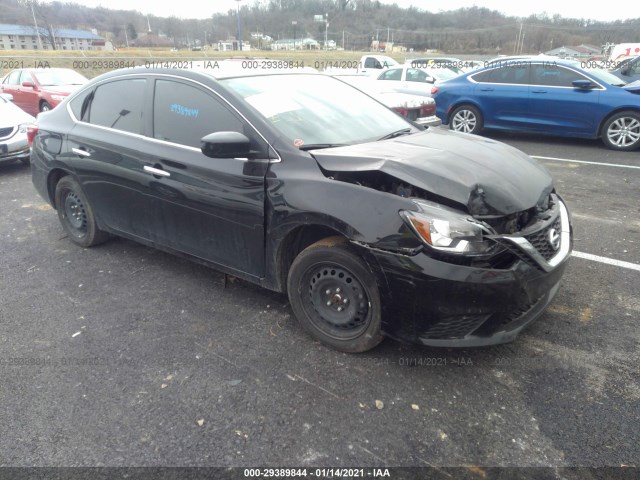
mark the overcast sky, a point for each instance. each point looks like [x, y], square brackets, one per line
[616, 10]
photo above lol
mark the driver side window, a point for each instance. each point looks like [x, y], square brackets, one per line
[184, 114]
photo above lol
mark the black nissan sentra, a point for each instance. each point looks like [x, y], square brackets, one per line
[302, 184]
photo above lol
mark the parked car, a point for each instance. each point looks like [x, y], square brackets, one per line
[420, 109]
[303, 184]
[14, 124]
[40, 89]
[413, 80]
[628, 70]
[455, 65]
[539, 96]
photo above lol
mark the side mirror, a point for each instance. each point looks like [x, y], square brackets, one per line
[29, 84]
[7, 96]
[430, 80]
[583, 84]
[225, 145]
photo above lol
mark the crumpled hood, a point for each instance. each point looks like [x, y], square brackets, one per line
[489, 177]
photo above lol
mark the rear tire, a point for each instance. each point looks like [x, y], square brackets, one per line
[622, 131]
[466, 119]
[76, 215]
[45, 106]
[335, 296]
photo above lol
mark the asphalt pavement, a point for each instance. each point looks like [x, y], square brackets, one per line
[121, 355]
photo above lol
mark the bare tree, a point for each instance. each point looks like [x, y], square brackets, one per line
[42, 19]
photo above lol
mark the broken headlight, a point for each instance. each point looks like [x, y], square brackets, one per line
[447, 230]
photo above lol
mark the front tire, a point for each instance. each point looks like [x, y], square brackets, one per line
[45, 106]
[335, 296]
[76, 215]
[622, 131]
[466, 119]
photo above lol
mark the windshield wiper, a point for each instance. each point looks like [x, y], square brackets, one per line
[404, 131]
[318, 146]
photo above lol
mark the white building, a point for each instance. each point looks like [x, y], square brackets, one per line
[22, 37]
[295, 44]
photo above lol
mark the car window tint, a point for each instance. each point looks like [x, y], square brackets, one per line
[484, 77]
[415, 75]
[25, 77]
[79, 105]
[551, 75]
[635, 67]
[372, 63]
[393, 74]
[184, 114]
[13, 78]
[516, 73]
[118, 105]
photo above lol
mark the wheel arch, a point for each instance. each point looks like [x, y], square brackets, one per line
[53, 178]
[290, 244]
[460, 103]
[630, 108]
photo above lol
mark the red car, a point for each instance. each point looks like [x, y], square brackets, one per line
[38, 90]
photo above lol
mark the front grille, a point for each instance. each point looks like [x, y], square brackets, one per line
[5, 132]
[454, 327]
[540, 240]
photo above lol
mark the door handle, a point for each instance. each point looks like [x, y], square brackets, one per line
[80, 152]
[486, 89]
[538, 91]
[156, 171]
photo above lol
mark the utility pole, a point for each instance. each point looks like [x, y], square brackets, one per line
[326, 31]
[515, 49]
[239, 27]
[294, 23]
[36, 24]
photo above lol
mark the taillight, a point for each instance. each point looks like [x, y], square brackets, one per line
[428, 110]
[32, 130]
[402, 111]
[434, 90]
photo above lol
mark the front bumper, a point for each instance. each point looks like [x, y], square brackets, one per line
[14, 147]
[442, 304]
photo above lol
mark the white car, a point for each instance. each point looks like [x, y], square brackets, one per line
[414, 81]
[13, 131]
[419, 109]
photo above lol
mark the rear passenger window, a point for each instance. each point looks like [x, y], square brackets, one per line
[512, 72]
[184, 114]
[79, 105]
[119, 105]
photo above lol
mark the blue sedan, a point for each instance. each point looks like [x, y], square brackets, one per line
[541, 96]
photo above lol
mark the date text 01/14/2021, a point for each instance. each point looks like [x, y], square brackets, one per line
[317, 472]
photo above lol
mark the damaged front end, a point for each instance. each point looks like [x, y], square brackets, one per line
[473, 263]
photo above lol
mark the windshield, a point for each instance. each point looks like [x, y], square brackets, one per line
[606, 77]
[52, 76]
[316, 109]
[445, 74]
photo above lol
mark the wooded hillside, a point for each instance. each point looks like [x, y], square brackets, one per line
[352, 24]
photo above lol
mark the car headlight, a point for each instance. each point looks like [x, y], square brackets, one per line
[447, 230]
[22, 128]
[58, 98]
